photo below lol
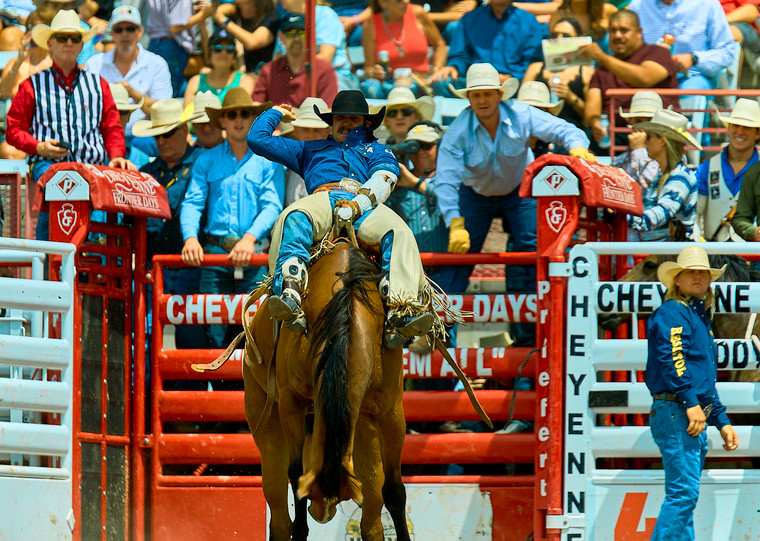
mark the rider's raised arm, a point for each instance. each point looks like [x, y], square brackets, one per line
[278, 149]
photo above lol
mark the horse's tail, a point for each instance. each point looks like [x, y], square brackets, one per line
[333, 329]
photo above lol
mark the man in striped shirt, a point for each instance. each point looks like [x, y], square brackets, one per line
[63, 113]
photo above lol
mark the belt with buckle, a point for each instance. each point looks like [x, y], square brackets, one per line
[345, 184]
[666, 395]
[226, 242]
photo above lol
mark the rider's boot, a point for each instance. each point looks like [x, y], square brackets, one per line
[400, 329]
[287, 306]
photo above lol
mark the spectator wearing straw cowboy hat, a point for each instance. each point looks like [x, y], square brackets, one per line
[402, 110]
[681, 373]
[480, 166]
[635, 161]
[239, 193]
[536, 94]
[123, 105]
[144, 75]
[207, 135]
[720, 178]
[64, 113]
[173, 169]
[670, 203]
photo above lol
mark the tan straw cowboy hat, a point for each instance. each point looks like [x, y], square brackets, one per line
[307, 118]
[671, 125]
[401, 96]
[745, 113]
[643, 104]
[691, 258]
[537, 94]
[65, 21]
[483, 76]
[121, 97]
[236, 98]
[165, 116]
[199, 104]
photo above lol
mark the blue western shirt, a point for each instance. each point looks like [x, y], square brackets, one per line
[510, 43]
[324, 161]
[420, 212]
[683, 357]
[238, 197]
[164, 236]
[492, 167]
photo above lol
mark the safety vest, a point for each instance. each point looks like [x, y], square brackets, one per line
[720, 201]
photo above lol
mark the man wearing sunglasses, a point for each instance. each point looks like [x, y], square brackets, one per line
[144, 75]
[283, 80]
[63, 113]
[240, 194]
[349, 176]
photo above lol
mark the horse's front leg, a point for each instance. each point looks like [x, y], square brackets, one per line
[393, 428]
[293, 417]
[274, 461]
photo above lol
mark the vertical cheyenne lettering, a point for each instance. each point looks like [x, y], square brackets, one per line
[675, 342]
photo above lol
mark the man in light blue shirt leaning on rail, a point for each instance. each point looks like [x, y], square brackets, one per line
[239, 193]
[480, 166]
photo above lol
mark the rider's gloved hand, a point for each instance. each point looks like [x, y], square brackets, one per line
[459, 238]
[580, 152]
[346, 210]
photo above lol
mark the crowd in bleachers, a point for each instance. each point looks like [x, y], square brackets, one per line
[174, 87]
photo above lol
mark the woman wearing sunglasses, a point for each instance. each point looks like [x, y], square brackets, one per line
[573, 81]
[223, 73]
[402, 110]
[406, 32]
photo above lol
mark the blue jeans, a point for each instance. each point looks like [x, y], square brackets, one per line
[222, 280]
[176, 57]
[298, 235]
[683, 458]
[379, 90]
[519, 218]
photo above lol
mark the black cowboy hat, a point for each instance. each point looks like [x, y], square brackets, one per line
[352, 102]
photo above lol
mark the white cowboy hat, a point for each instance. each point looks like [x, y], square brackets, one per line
[643, 105]
[424, 134]
[65, 21]
[199, 103]
[537, 94]
[484, 76]
[692, 257]
[745, 113]
[307, 118]
[121, 97]
[401, 96]
[165, 115]
[671, 125]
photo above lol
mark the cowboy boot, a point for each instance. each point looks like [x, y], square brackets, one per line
[287, 306]
[400, 329]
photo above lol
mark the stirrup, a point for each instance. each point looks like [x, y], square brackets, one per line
[287, 308]
[404, 328]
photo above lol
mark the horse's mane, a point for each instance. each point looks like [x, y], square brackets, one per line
[332, 329]
[737, 268]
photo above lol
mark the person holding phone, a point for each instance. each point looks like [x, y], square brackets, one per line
[63, 113]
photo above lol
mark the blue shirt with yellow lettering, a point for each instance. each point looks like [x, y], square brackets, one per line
[683, 357]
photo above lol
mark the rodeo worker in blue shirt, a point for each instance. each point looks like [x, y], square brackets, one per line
[348, 175]
[480, 166]
[681, 373]
[239, 194]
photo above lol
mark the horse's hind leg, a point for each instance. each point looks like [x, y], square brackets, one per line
[393, 427]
